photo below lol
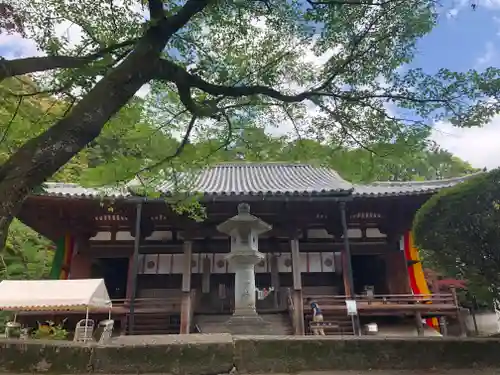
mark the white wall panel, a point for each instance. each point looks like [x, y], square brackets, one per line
[285, 262]
[101, 236]
[124, 236]
[173, 263]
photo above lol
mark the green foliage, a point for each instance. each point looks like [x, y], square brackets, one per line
[135, 139]
[459, 230]
[4, 318]
[22, 118]
[344, 58]
[50, 331]
[27, 254]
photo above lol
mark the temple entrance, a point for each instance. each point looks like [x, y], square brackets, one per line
[114, 271]
[268, 298]
[214, 293]
[369, 271]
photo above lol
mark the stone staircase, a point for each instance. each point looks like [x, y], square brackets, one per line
[337, 322]
[277, 324]
[155, 324]
[341, 324]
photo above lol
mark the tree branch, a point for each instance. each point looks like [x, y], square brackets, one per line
[7, 128]
[11, 68]
[170, 25]
[173, 23]
[171, 72]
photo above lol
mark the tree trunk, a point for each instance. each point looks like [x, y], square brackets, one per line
[41, 157]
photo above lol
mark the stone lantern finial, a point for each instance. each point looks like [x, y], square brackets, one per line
[243, 208]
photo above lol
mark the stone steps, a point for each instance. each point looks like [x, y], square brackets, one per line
[274, 324]
[154, 324]
[342, 322]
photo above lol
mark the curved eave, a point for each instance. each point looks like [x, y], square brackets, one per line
[411, 188]
[242, 192]
[204, 195]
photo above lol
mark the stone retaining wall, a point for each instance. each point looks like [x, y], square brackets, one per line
[218, 354]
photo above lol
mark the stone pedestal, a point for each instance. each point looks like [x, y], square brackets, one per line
[243, 264]
[245, 319]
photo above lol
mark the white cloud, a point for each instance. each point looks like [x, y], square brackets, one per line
[452, 13]
[459, 5]
[491, 4]
[13, 46]
[478, 146]
[487, 58]
[73, 33]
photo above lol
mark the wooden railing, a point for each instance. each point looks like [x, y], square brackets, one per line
[388, 299]
[389, 304]
[167, 304]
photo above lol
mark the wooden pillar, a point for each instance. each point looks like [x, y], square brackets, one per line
[345, 276]
[81, 264]
[135, 266]
[396, 273]
[130, 278]
[443, 326]
[186, 311]
[347, 267]
[128, 291]
[298, 300]
[420, 325]
[205, 276]
[275, 281]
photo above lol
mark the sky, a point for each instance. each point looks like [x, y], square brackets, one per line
[464, 39]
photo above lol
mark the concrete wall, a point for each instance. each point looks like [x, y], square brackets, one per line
[487, 323]
[217, 354]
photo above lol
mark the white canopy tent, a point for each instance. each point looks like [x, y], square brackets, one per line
[50, 295]
[40, 295]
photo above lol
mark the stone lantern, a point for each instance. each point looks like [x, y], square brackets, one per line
[244, 230]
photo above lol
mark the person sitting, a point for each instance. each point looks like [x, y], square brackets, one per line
[317, 318]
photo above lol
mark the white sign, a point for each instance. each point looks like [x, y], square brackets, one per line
[352, 308]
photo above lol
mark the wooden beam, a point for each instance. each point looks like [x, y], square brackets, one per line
[347, 267]
[420, 325]
[297, 276]
[108, 249]
[186, 266]
[297, 288]
[135, 267]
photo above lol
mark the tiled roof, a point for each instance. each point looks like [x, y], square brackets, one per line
[265, 179]
[60, 189]
[244, 179]
[390, 188]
